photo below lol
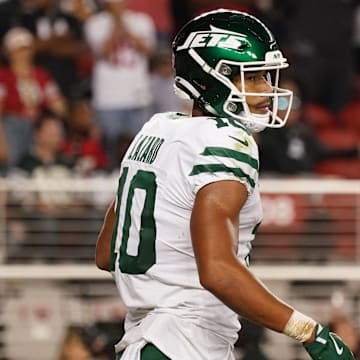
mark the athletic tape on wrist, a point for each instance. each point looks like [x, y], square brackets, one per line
[299, 327]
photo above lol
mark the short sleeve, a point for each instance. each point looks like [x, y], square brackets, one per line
[226, 156]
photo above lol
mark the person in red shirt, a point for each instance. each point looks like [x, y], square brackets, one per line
[26, 90]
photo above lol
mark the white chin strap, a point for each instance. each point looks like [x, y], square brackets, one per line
[254, 122]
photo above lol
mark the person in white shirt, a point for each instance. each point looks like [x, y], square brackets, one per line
[122, 42]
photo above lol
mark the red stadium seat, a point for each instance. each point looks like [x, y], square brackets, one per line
[350, 117]
[344, 168]
[318, 116]
[338, 138]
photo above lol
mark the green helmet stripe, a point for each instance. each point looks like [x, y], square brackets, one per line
[212, 168]
[230, 153]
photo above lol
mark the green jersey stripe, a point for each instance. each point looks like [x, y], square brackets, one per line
[230, 153]
[212, 168]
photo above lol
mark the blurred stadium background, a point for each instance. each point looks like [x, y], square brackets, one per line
[308, 248]
[307, 251]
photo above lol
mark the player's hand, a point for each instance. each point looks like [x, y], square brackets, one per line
[328, 346]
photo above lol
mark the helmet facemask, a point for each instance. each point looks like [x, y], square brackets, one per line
[234, 105]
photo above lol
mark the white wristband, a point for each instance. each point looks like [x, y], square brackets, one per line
[299, 327]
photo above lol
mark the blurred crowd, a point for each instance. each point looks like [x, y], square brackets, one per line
[78, 78]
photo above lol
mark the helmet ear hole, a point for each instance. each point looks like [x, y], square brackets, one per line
[226, 70]
[232, 107]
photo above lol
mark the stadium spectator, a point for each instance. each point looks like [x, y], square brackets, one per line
[81, 9]
[123, 142]
[83, 140]
[102, 336]
[45, 162]
[322, 51]
[8, 9]
[4, 152]
[250, 341]
[122, 42]
[357, 38]
[58, 39]
[26, 90]
[295, 149]
[201, 6]
[74, 346]
[272, 14]
[162, 85]
[160, 12]
[182, 12]
[47, 205]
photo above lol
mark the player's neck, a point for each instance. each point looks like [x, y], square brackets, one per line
[198, 111]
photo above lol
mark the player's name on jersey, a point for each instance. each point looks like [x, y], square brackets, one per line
[146, 149]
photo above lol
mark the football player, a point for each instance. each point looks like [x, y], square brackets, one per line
[178, 235]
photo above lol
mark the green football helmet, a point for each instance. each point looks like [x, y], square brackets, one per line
[210, 50]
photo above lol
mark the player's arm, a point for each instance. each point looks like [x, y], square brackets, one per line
[214, 231]
[103, 243]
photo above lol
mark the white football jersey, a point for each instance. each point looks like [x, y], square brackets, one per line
[153, 262]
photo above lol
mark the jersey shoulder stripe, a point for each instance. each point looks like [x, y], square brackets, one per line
[231, 153]
[212, 168]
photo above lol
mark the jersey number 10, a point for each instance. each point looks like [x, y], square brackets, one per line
[145, 257]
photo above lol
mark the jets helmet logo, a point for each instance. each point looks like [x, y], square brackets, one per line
[214, 38]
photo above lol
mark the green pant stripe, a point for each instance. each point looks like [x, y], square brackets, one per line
[148, 352]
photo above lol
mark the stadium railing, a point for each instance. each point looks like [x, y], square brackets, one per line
[307, 251]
